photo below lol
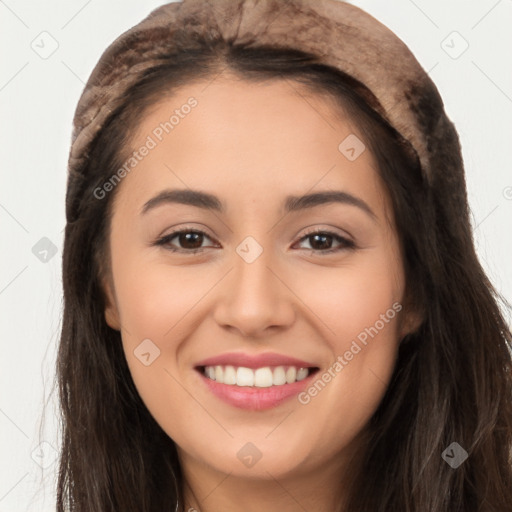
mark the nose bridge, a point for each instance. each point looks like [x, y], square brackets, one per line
[253, 298]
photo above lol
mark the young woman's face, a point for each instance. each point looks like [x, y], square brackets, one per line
[215, 263]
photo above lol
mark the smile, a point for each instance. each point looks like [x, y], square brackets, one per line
[255, 389]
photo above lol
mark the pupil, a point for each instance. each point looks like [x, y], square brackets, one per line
[323, 245]
[187, 239]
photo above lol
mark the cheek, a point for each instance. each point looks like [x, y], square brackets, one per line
[359, 308]
[154, 297]
[355, 312]
[351, 298]
[160, 303]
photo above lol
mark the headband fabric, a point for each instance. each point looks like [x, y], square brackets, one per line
[342, 35]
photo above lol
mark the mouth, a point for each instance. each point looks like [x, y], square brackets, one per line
[255, 388]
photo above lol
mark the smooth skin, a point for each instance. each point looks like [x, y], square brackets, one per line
[252, 145]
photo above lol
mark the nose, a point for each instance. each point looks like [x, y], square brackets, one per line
[255, 298]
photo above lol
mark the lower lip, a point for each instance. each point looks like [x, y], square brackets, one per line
[253, 398]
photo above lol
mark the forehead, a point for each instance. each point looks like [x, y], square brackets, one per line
[255, 140]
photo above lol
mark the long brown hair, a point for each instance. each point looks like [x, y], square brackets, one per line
[452, 382]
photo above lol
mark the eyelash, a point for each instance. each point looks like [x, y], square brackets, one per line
[346, 243]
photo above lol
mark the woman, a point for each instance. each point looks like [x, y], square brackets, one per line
[272, 297]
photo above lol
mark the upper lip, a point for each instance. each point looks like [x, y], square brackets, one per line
[254, 360]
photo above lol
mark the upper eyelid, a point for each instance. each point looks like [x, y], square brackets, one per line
[329, 231]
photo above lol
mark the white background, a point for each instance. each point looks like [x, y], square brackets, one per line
[37, 101]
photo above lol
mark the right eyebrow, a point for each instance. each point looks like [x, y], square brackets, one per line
[185, 196]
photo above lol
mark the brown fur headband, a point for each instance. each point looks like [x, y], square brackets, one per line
[344, 36]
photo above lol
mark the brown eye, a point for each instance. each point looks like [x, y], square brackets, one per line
[322, 242]
[188, 240]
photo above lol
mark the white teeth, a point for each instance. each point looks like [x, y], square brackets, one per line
[260, 378]
[244, 377]
[291, 373]
[302, 374]
[263, 377]
[229, 375]
[279, 376]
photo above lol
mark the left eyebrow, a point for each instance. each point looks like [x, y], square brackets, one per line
[294, 203]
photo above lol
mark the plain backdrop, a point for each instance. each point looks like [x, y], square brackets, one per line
[49, 49]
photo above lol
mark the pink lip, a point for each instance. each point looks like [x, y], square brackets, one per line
[254, 361]
[253, 398]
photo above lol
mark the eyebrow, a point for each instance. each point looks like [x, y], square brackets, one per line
[291, 204]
